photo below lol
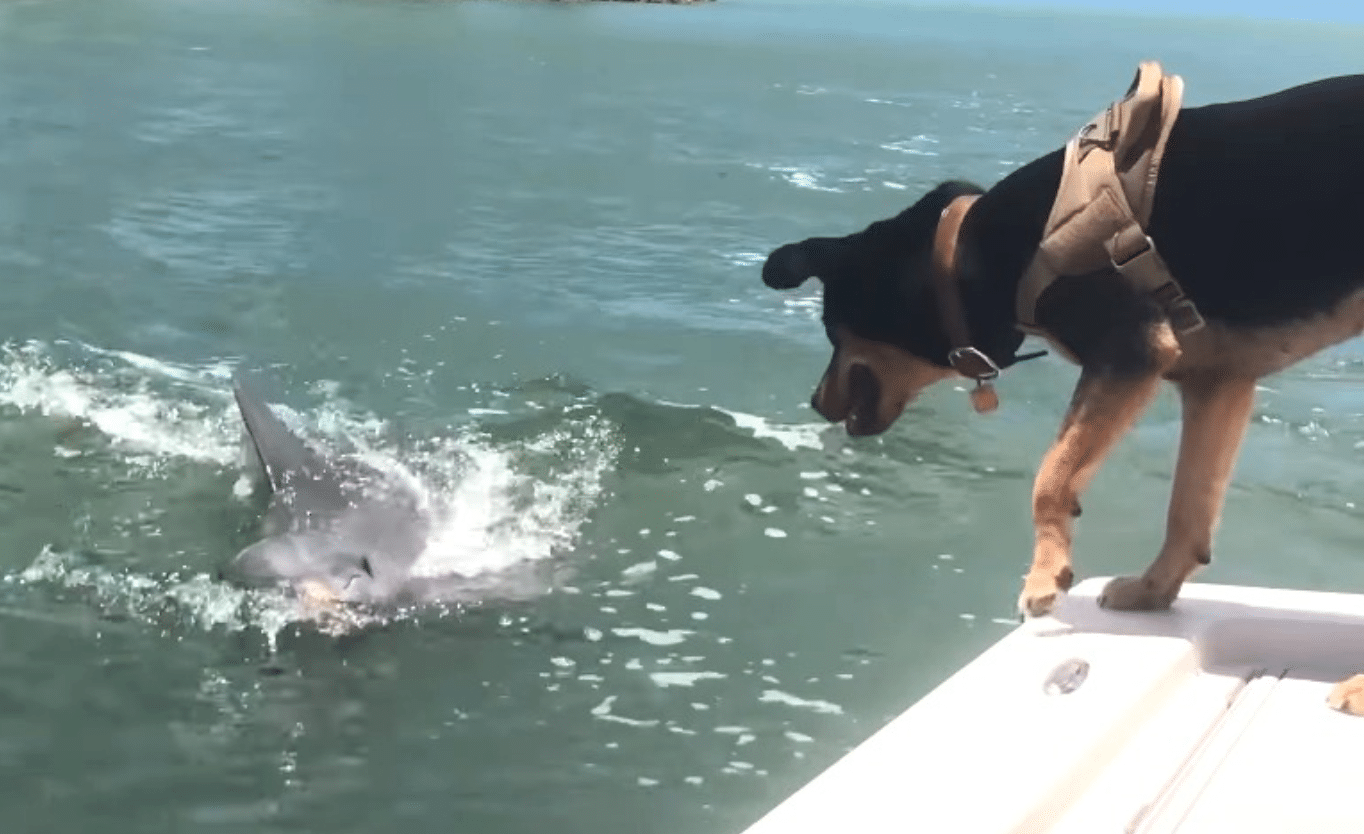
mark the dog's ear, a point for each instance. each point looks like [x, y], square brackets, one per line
[791, 265]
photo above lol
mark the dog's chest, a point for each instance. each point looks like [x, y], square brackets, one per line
[1260, 351]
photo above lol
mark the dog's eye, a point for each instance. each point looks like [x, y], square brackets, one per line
[366, 566]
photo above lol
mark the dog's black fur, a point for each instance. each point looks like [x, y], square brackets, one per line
[1259, 212]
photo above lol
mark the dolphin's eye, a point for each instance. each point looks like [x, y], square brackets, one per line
[366, 566]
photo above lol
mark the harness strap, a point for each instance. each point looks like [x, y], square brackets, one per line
[1105, 198]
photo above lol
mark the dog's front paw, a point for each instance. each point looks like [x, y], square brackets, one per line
[1040, 593]
[1134, 593]
[1348, 696]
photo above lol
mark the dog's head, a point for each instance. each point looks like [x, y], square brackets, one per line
[880, 312]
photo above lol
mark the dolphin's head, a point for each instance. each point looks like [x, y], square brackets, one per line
[315, 574]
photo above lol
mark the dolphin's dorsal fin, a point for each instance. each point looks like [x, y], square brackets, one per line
[282, 454]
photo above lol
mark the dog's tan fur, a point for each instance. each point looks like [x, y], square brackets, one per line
[1221, 350]
[1102, 409]
[902, 376]
[1215, 369]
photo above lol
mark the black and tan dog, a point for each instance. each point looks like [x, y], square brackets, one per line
[1259, 213]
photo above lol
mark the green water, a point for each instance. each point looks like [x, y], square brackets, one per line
[512, 250]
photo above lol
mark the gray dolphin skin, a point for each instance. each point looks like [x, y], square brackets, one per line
[336, 529]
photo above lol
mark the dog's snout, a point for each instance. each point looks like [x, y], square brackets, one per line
[815, 404]
[828, 399]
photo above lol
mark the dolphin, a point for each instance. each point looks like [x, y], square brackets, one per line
[336, 530]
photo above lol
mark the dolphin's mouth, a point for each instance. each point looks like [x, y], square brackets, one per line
[312, 592]
[320, 604]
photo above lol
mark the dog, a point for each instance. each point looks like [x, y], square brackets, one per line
[1257, 212]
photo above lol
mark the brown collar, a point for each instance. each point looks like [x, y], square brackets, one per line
[964, 358]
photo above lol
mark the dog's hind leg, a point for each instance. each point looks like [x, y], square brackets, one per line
[1216, 412]
[1104, 407]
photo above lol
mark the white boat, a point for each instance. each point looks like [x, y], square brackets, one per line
[1210, 717]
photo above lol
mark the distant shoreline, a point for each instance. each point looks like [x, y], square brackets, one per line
[667, 2]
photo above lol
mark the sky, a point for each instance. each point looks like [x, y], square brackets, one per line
[1332, 11]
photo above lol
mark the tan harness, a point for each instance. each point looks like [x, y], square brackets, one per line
[1098, 221]
[1108, 186]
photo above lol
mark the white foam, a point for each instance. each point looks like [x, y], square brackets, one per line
[807, 177]
[654, 638]
[124, 401]
[688, 679]
[746, 258]
[639, 570]
[207, 603]
[776, 696]
[169, 370]
[793, 437]
[603, 712]
[494, 516]
[914, 146]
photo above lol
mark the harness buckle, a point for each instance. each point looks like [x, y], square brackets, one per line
[1140, 246]
[1184, 316]
[1143, 265]
[1101, 134]
[970, 362]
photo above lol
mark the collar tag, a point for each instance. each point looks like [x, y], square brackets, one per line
[984, 398]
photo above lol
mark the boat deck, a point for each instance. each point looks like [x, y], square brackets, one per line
[1210, 717]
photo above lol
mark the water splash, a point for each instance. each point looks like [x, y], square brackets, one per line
[521, 505]
[146, 407]
[500, 508]
[206, 603]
